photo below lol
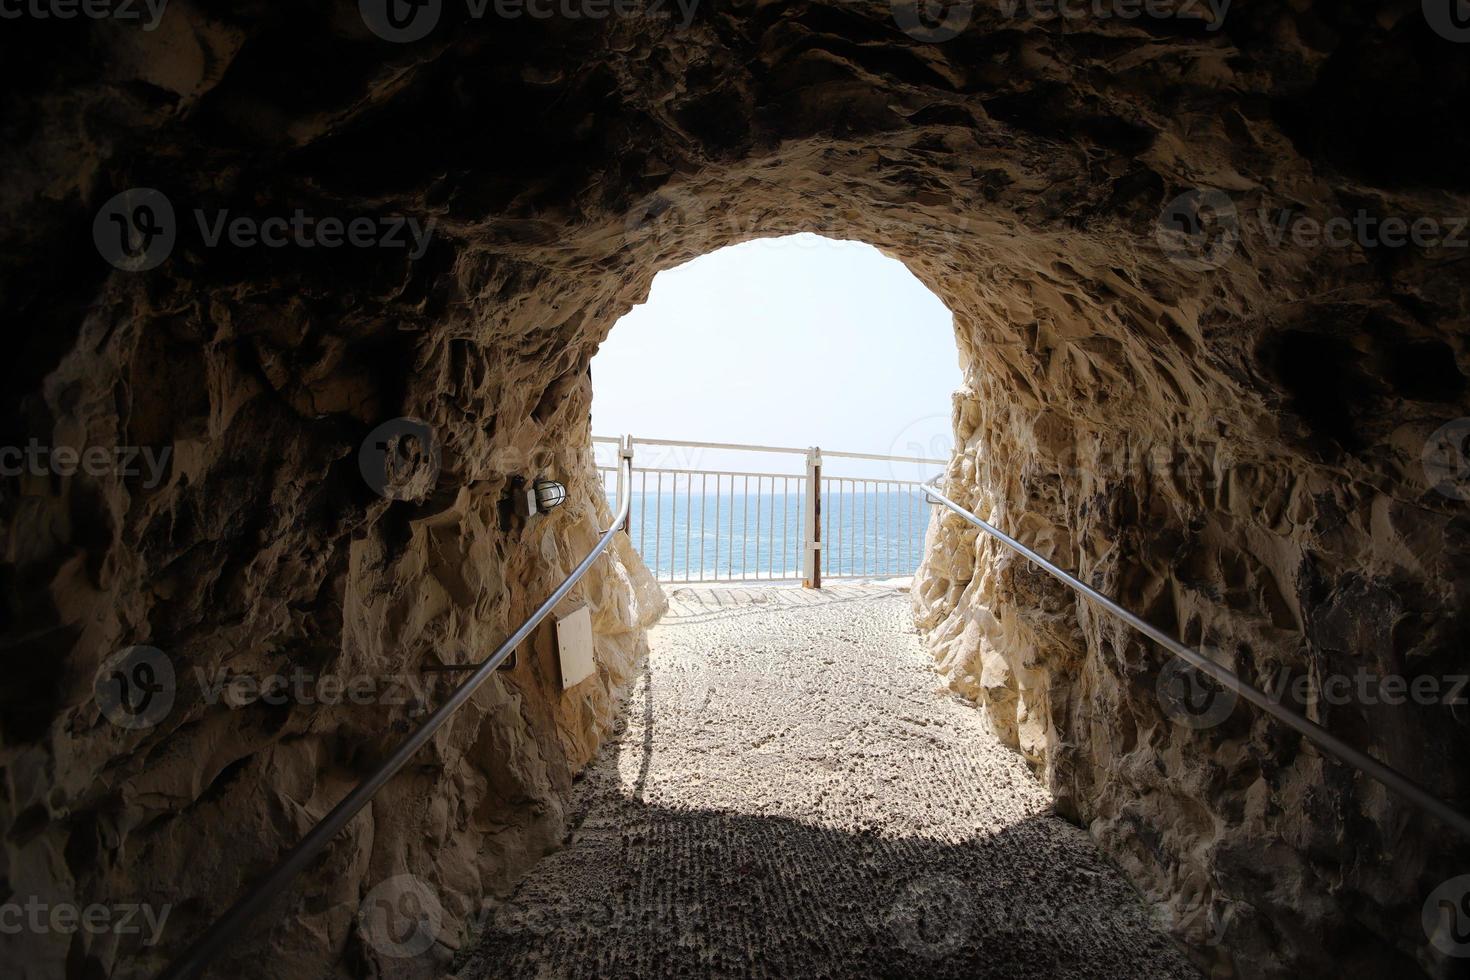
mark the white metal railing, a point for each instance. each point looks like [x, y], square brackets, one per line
[872, 528]
[692, 524]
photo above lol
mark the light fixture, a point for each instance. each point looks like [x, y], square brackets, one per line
[539, 497]
[549, 494]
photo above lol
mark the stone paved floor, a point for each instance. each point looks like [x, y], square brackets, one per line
[794, 794]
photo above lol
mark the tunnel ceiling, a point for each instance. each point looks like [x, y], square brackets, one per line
[1039, 174]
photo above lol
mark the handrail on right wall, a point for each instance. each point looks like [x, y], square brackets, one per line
[1315, 733]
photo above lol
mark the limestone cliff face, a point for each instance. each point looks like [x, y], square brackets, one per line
[1225, 432]
[265, 555]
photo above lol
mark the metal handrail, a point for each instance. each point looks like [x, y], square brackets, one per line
[207, 946]
[1390, 777]
[686, 444]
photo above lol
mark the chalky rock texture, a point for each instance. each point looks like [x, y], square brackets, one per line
[1020, 169]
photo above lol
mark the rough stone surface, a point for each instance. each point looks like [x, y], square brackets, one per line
[795, 794]
[1019, 169]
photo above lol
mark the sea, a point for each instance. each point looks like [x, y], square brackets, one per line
[684, 534]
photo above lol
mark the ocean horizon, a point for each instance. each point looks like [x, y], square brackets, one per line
[688, 535]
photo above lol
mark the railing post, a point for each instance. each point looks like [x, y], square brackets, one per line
[812, 567]
[625, 451]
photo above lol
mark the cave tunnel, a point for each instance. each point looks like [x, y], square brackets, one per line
[1207, 269]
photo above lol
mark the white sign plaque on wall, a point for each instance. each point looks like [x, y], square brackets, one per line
[574, 644]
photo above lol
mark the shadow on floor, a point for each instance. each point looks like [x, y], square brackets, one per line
[654, 892]
[644, 890]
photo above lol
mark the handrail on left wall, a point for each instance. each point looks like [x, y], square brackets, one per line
[228, 926]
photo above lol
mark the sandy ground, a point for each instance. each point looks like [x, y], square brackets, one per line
[795, 795]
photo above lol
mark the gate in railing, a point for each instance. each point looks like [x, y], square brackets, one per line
[692, 524]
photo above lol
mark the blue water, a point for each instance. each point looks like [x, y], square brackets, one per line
[685, 535]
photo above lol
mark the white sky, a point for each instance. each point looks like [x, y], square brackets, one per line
[793, 341]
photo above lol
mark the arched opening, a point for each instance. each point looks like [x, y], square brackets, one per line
[800, 343]
[786, 726]
[784, 335]
[1144, 402]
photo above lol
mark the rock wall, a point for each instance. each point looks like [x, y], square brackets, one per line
[265, 556]
[1223, 430]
